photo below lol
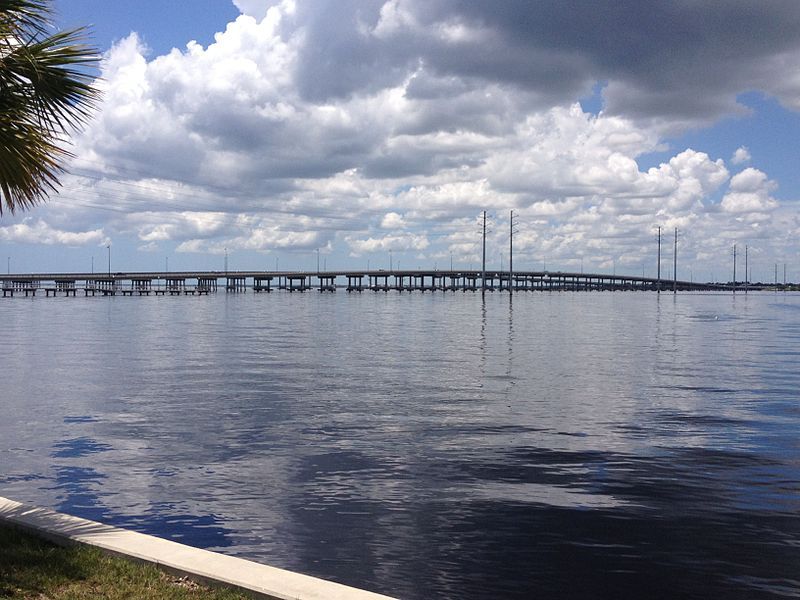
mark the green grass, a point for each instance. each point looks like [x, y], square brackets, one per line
[32, 568]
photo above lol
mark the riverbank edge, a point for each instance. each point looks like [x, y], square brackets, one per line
[203, 566]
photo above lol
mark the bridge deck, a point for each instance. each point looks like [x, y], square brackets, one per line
[204, 282]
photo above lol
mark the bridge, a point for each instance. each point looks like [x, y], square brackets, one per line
[205, 282]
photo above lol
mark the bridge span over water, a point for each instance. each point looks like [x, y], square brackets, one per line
[205, 282]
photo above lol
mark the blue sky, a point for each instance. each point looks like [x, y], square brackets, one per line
[161, 25]
[361, 128]
[768, 131]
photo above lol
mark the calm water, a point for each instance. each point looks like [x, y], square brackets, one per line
[589, 445]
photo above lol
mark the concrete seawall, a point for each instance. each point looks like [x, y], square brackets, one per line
[259, 580]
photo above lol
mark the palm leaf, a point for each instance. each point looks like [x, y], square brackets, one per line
[46, 91]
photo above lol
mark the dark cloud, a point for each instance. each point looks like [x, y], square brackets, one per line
[337, 59]
[677, 58]
[412, 162]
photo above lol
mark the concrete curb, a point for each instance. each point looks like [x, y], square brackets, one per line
[208, 567]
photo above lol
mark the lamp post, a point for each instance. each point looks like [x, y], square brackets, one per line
[108, 247]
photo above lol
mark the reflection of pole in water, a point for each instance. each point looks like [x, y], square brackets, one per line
[510, 365]
[510, 328]
[482, 343]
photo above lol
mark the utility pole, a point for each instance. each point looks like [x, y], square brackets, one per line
[511, 253]
[658, 276]
[483, 263]
[675, 264]
[746, 276]
[734, 268]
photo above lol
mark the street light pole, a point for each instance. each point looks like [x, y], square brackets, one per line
[108, 247]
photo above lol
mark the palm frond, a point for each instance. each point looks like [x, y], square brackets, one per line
[46, 91]
[25, 16]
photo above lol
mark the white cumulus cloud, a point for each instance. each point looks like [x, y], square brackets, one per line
[741, 155]
[367, 127]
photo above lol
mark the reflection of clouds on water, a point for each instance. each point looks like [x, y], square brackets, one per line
[80, 446]
[80, 419]
[550, 495]
[85, 492]
[79, 492]
[429, 445]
